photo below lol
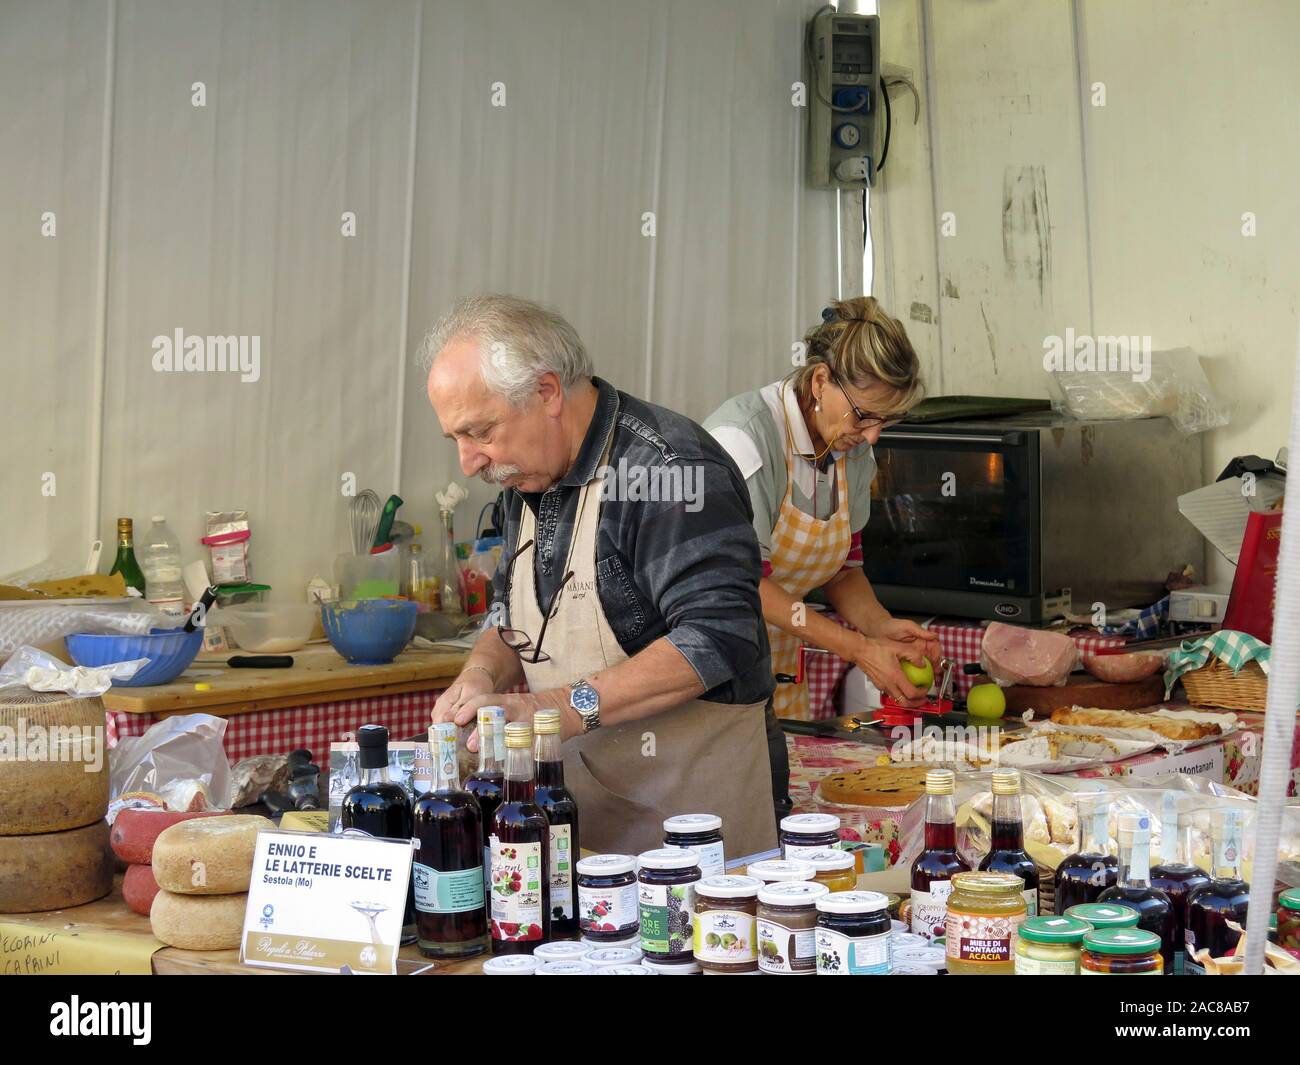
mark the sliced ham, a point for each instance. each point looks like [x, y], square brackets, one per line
[1014, 655]
[1123, 669]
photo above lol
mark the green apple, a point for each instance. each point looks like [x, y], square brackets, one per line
[921, 676]
[986, 700]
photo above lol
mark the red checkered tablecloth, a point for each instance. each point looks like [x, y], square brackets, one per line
[960, 641]
[312, 727]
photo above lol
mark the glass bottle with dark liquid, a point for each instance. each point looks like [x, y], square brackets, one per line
[934, 867]
[1176, 876]
[378, 805]
[1134, 890]
[1007, 852]
[1085, 875]
[1225, 898]
[450, 912]
[561, 811]
[519, 884]
[486, 783]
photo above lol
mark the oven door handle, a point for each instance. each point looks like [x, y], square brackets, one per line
[1009, 438]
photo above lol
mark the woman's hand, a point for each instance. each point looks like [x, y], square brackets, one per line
[921, 642]
[878, 659]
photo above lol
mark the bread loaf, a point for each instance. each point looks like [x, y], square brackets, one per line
[53, 763]
[198, 922]
[207, 855]
[55, 870]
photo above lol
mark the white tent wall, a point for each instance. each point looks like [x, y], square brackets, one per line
[1144, 197]
[227, 219]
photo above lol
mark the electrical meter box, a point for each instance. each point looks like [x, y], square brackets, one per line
[844, 78]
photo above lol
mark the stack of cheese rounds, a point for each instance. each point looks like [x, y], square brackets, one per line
[53, 797]
[203, 867]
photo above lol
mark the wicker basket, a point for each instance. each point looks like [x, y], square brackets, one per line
[1214, 685]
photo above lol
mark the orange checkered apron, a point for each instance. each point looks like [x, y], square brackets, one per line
[806, 553]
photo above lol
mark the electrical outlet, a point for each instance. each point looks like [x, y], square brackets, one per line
[854, 169]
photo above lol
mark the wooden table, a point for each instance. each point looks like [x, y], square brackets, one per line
[110, 914]
[318, 675]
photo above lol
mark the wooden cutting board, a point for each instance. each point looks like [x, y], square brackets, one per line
[1083, 690]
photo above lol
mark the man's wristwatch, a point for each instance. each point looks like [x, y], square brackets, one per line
[585, 700]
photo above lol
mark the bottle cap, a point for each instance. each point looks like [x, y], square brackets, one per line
[939, 781]
[546, 723]
[519, 734]
[1006, 782]
[158, 519]
[490, 717]
[123, 525]
[373, 743]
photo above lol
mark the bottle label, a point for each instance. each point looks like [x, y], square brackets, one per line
[1180, 962]
[1031, 902]
[726, 936]
[792, 852]
[712, 862]
[782, 949]
[516, 890]
[1094, 972]
[841, 955]
[608, 909]
[930, 909]
[667, 914]
[562, 905]
[981, 939]
[454, 892]
[1036, 967]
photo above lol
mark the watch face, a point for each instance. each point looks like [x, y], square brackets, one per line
[584, 697]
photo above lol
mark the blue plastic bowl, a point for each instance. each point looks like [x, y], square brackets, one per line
[369, 632]
[170, 651]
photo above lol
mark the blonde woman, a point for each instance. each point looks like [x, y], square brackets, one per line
[803, 445]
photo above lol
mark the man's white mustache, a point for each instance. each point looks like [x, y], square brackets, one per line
[498, 474]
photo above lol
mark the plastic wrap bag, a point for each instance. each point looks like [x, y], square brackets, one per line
[32, 669]
[181, 759]
[41, 624]
[1174, 387]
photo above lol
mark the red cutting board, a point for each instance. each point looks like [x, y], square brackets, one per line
[1083, 690]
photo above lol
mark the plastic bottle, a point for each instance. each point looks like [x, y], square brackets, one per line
[160, 558]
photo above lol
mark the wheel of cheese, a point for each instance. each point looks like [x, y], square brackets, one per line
[57, 777]
[135, 831]
[138, 888]
[207, 856]
[198, 922]
[55, 870]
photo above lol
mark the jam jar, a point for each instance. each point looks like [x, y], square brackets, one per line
[1121, 952]
[1104, 914]
[837, 869]
[853, 934]
[607, 898]
[726, 919]
[778, 871]
[666, 903]
[807, 833]
[984, 911]
[787, 927]
[1288, 920]
[1049, 946]
[701, 833]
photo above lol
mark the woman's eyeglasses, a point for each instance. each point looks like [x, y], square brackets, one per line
[518, 640]
[864, 418]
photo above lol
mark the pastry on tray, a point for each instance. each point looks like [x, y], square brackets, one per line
[874, 786]
[1171, 728]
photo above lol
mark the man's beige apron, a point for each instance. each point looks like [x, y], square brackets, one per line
[700, 757]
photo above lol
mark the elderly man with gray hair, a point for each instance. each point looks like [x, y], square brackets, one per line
[628, 604]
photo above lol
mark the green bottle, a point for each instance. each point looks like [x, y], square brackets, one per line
[125, 562]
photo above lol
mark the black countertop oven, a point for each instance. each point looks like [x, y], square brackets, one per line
[1013, 517]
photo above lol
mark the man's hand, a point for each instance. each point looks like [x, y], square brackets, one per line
[470, 684]
[519, 706]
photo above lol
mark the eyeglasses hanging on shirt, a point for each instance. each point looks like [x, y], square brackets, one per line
[518, 640]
